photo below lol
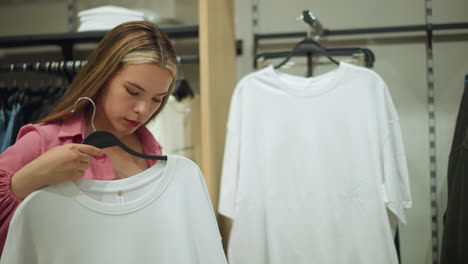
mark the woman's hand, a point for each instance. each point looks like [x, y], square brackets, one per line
[65, 163]
[57, 165]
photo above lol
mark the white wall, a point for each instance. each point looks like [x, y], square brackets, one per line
[33, 18]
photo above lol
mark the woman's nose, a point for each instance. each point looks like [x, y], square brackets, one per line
[141, 107]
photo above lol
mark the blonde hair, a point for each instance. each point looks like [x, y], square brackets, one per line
[134, 42]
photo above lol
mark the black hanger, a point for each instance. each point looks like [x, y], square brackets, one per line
[103, 139]
[182, 90]
[308, 45]
[182, 87]
[369, 57]
[311, 47]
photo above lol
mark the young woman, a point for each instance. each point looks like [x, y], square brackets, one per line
[129, 77]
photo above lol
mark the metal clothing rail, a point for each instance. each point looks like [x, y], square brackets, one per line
[67, 40]
[173, 32]
[48, 67]
[428, 28]
[66, 66]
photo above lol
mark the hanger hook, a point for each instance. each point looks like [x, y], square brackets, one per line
[314, 28]
[94, 109]
[179, 67]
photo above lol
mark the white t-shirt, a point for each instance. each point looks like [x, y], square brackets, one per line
[172, 127]
[161, 215]
[311, 166]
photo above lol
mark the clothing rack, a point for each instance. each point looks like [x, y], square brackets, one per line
[428, 28]
[48, 67]
[69, 67]
[67, 40]
[181, 90]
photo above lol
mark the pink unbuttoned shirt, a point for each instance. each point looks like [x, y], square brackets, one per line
[35, 139]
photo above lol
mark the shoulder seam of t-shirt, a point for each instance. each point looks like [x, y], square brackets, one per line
[250, 76]
[185, 159]
[363, 69]
[369, 72]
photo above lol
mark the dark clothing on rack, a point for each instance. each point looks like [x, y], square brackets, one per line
[455, 239]
[8, 128]
[20, 106]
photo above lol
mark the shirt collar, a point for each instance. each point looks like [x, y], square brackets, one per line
[73, 126]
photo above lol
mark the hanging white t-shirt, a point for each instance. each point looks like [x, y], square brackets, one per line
[173, 127]
[311, 166]
[161, 215]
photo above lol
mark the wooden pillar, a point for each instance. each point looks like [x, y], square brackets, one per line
[217, 81]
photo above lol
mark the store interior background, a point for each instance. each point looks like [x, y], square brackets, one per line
[401, 60]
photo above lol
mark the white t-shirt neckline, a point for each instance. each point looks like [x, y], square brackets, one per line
[307, 86]
[162, 171]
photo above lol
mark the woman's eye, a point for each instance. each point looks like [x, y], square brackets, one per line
[131, 92]
[157, 100]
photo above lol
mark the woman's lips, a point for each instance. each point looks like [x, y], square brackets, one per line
[133, 123]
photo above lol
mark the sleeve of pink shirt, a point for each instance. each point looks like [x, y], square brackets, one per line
[28, 146]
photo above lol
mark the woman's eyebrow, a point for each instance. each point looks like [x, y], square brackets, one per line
[142, 89]
[136, 86]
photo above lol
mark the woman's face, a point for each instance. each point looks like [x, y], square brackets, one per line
[130, 97]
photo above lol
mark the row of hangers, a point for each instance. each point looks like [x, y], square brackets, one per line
[47, 66]
[67, 66]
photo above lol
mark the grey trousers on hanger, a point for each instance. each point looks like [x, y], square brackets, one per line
[455, 239]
